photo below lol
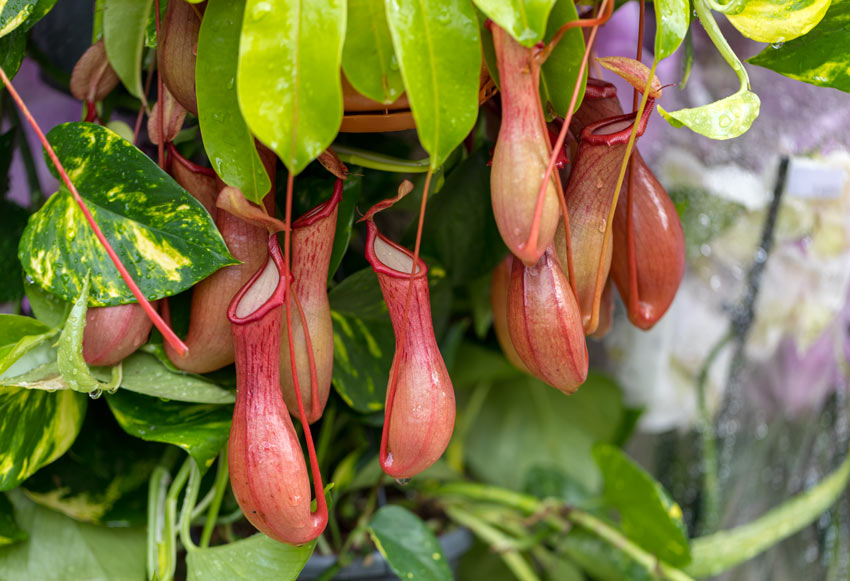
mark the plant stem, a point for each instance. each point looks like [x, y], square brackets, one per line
[220, 486]
[723, 550]
[189, 500]
[166, 546]
[157, 487]
[499, 541]
[379, 161]
[710, 502]
[532, 505]
[163, 328]
[713, 31]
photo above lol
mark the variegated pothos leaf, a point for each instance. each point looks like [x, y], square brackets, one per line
[165, 238]
[13, 13]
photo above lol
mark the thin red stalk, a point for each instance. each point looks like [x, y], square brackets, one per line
[541, 194]
[160, 147]
[311, 357]
[321, 504]
[634, 299]
[138, 128]
[394, 377]
[163, 328]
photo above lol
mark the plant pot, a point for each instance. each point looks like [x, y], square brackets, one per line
[375, 568]
[363, 115]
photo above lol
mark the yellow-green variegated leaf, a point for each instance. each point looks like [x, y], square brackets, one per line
[288, 80]
[723, 119]
[163, 235]
[778, 20]
[13, 13]
[37, 428]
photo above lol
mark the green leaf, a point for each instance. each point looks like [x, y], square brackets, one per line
[166, 239]
[72, 366]
[351, 191]
[145, 374]
[103, 477]
[18, 335]
[438, 49]
[37, 428]
[200, 429]
[649, 516]
[42, 7]
[13, 219]
[723, 119]
[10, 532]
[778, 20]
[368, 58]
[525, 20]
[13, 47]
[288, 79]
[227, 140]
[525, 423]
[408, 544]
[600, 559]
[559, 73]
[819, 57]
[124, 24]
[13, 13]
[47, 307]
[256, 558]
[461, 231]
[359, 295]
[363, 354]
[673, 20]
[60, 548]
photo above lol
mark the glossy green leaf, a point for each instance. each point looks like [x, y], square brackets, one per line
[37, 428]
[200, 429]
[673, 20]
[18, 335]
[288, 82]
[10, 532]
[103, 477]
[70, 359]
[778, 20]
[47, 307]
[648, 515]
[124, 24]
[13, 47]
[526, 424]
[723, 119]
[257, 558]
[363, 353]
[438, 49]
[819, 57]
[600, 559]
[525, 20]
[559, 73]
[62, 549]
[408, 545]
[13, 219]
[368, 58]
[227, 140]
[359, 295]
[13, 13]
[146, 375]
[42, 7]
[150, 28]
[164, 236]
[461, 231]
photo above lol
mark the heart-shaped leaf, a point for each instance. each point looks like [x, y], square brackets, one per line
[438, 49]
[288, 82]
[251, 559]
[166, 239]
[368, 58]
[649, 516]
[37, 428]
[227, 140]
[524, 20]
[124, 24]
[408, 545]
[13, 13]
[723, 119]
[819, 57]
[778, 21]
[200, 429]
[363, 352]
